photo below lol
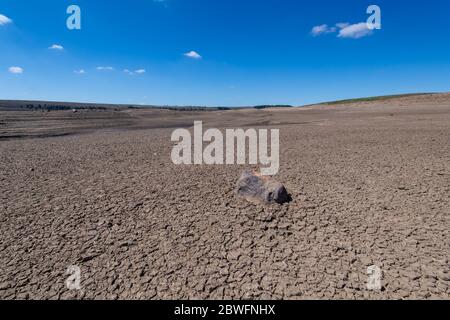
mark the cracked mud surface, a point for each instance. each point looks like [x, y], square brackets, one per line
[370, 186]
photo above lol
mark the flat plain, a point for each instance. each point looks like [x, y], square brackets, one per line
[369, 181]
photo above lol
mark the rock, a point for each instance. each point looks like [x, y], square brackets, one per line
[88, 257]
[255, 187]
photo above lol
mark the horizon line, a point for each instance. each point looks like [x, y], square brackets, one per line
[354, 99]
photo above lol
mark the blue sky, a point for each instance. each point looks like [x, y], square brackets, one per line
[221, 52]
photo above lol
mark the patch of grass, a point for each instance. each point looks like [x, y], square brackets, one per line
[377, 98]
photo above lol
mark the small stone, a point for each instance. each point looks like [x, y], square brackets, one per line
[127, 243]
[87, 257]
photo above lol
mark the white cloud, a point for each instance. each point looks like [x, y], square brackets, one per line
[355, 31]
[15, 70]
[139, 71]
[346, 30]
[193, 55]
[4, 20]
[81, 71]
[322, 29]
[105, 68]
[56, 47]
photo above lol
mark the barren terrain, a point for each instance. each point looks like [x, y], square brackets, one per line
[369, 181]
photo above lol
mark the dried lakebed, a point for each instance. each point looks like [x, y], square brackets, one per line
[370, 185]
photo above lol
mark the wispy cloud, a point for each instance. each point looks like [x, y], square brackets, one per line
[15, 70]
[344, 30]
[56, 47]
[139, 71]
[322, 29]
[81, 71]
[193, 55]
[105, 68]
[4, 20]
[355, 31]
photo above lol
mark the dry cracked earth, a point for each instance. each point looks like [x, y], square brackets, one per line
[370, 184]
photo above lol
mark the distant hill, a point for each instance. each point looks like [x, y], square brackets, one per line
[23, 105]
[371, 99]
[18, 105]
[52, 105]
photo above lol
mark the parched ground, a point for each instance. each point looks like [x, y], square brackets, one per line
[370, 184]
